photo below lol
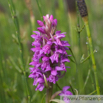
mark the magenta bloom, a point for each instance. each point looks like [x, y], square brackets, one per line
[49, 53]
[65, 94]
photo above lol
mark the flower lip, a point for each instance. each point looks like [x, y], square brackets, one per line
[60, 36]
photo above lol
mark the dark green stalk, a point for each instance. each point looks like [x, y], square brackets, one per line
[49, 94]
[2, 78]
[73, 55]
[15, 19]
[58, 86]
[79, 39]
[72, 87]
[49, 91]
[80, 78]
[79, 73]
[2, 95]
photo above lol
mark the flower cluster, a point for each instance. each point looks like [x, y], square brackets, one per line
[49, 53]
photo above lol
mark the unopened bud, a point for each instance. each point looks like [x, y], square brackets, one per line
[82, 8]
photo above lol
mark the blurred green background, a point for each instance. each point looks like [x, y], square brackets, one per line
[12, 87]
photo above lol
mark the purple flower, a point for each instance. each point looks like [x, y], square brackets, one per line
[46, 48]
[41, 29]
[65, 94]
[53, 78]
[54, 57]
[50, 53]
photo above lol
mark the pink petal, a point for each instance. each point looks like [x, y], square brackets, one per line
[54, 72]
[65, 88]
[41, 30]
[59, 68]
[55, 22]
[40, 23]
[58, 32]
[65, 60]
[37, 32]
[45, 58]
[68, 93]
[51, 18]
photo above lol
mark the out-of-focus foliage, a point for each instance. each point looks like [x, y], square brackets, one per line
[12, 88]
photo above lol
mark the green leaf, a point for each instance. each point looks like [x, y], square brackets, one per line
[57, 101]
[43, 98]
[34, 96]
[76, 91]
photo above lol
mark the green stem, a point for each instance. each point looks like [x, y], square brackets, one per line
[89, 71]
[43, 98]
[92, 56]
[78, 65]
[75, 44]
[78, 24]
[72, 88]
[49, 90]
[2, 78]
[82, 61]
[73, 55]
[15, 19]
[80, 78]
[92, 93]
[58, 86]
[49, 93]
